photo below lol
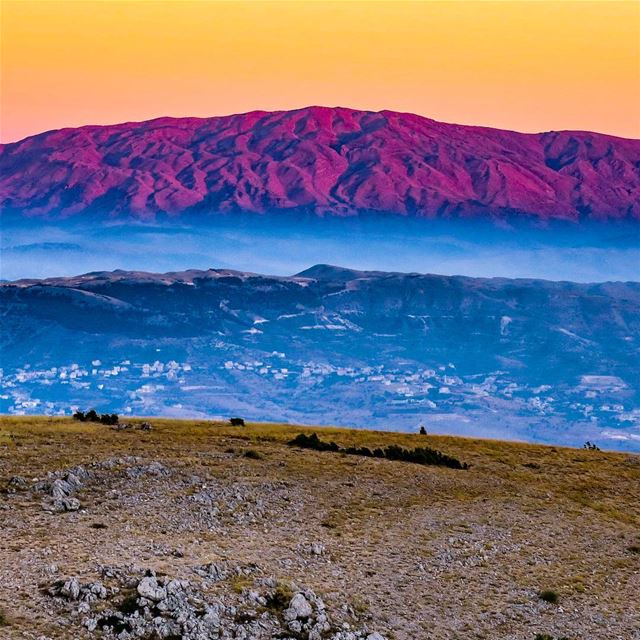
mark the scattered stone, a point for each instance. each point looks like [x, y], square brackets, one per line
[122, 426]
[62, 505]
[149, 588]
[60, 488]
[152, 469]
[162, 607]
[299, 608]
[17, 483]
[71, 589]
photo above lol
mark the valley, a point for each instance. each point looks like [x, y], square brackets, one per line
[531, 360]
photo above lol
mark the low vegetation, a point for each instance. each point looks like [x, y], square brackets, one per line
[419, 455]
[93, 416]
[550, 596]
[280, 598]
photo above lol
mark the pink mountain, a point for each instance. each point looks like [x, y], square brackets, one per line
[328, 161]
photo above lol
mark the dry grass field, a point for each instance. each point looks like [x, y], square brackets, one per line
[408, 551]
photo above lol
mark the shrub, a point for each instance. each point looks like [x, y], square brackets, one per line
[92, 416]
[253, 454]
[550, 596]
[313, 442]
[129, 605]
[634, 548]
[419, 455]
[237, 422]
[3, 620]
[279, 600]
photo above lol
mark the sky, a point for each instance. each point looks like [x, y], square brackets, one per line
[528, 66]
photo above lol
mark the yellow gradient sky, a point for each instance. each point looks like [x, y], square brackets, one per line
[529, 66]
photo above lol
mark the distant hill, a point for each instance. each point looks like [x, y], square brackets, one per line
[534, 359]
[320, 161]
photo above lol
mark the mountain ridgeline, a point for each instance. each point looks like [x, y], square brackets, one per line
[540, 360]
[320, 161]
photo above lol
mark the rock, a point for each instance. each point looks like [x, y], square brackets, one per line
[146, 426]
[212, 571]
[153, 468]
[91, 624]
[60, 488]
[375, 636]
[71, 589]
[17, 483]
[148, 588]
[65, 504]
[299, 609]
[165, 607]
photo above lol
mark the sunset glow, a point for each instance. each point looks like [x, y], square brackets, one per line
[529, 66]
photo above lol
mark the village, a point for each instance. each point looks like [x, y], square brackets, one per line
[383, 397]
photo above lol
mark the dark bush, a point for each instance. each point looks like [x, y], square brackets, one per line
[279, 600]
[313, 442]
[420, 455]
[130, 604]
[549, 596]
[253, 454]
[591, 446]
[92, 416]
[237, 422]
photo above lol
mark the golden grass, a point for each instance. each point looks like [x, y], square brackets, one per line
[604, 482]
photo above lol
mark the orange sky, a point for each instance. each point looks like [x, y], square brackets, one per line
[530, 66]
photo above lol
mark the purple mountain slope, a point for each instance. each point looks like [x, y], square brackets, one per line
[326, 161]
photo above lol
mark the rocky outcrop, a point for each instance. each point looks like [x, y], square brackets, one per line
[153, 606]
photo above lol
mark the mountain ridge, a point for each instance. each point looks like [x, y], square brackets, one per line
[323, 161]
[532, 359]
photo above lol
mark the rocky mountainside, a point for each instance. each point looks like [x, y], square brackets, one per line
[548, 361]
[323, 161]
[202, 530]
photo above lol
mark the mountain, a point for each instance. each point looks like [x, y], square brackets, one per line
[320, 161]
[539, 360]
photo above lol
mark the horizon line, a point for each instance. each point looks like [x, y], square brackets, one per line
[306, 108]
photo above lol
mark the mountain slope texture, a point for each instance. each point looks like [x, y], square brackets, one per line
[323, 161]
